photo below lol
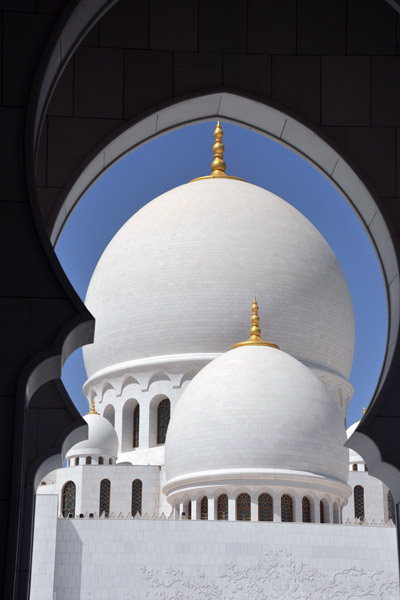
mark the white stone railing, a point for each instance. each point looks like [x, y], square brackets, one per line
[171, 517]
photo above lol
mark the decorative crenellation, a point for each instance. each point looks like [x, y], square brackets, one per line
[172, 517]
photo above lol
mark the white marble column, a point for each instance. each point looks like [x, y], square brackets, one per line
[231, 509]
[277, 508]
[254, 509]
[211, 509]
[298, 509]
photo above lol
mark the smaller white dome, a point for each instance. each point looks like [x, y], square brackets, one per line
[353, 456]
[102, 440]
[252, 414]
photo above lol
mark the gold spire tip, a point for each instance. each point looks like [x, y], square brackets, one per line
[218, 165]
[364, 410]
[93, 410]
[255, 333]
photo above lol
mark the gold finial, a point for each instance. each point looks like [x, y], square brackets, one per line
[255, 333]
[363, 410]
[93, 410]
[218, 165]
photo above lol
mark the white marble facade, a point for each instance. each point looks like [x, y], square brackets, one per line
[138, 559]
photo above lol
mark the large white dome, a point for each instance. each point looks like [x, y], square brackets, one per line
[177, 278]
[251, 413]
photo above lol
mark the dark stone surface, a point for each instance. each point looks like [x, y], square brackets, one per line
[248, 73]
[385, 90]
[62, 101]
[126, 25]
[345, 93]
[194, 71]
[374, 149]
[79, 137]
[296, 83]
[222, 26]
[98, 76]
[321, 27]
[371, 27]
[147, 80]
[272, 26]
[173, 25]
[51, 7]
[12, 121]
[19, 67]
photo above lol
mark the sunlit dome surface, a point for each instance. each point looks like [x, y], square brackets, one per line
[177, 278]
[252, 409]
[102, 438]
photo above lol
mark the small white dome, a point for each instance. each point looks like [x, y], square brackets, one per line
[175, 281]
[102, 440]
[353, 456]
[255, 410]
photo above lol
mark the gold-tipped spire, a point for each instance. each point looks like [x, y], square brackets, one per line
[364, 410]
[93, 410]
[218, 165]
[255, 333]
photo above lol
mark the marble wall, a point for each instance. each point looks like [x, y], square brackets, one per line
[135, 559]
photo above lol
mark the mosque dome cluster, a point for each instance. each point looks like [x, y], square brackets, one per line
[171, 295]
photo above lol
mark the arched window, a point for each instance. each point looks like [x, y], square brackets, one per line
[359, 502]
[77, 461]
[137, 487]
[88, 460]
[204, 508]
[286, 509]
[265, 508]
[243, 507]
[355, 467]
[163, 414]
[222, 508]
[365, 467]
[105, 490]
[189, 512]
[101, 460]
[136, 417]
[306, 505]
[321, 512]
[391, 507]
[68, 499]
[110, 462]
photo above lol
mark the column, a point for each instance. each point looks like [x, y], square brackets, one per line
[118, 425]
[254, 508]
[277, 508]
[211, 509]
[231, 509]
[298, 509]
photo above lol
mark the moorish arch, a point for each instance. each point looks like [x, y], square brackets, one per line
[350, 73]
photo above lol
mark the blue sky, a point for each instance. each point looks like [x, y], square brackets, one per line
[182, 155]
